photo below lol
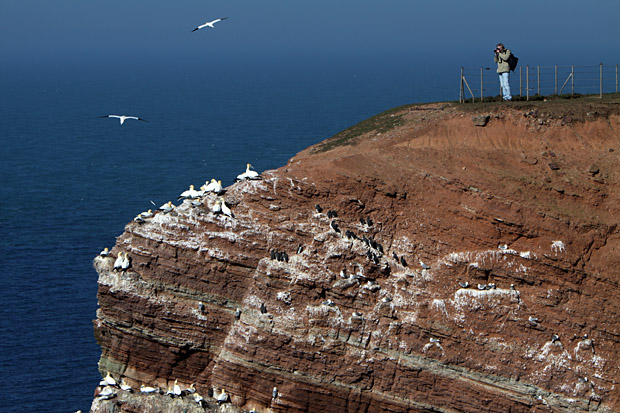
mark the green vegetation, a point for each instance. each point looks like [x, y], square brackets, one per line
[382, 122]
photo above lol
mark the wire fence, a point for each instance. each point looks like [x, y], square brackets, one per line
[476, 83]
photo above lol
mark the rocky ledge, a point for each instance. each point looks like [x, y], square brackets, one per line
[415, 262]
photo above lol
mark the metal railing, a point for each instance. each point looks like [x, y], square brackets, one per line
[541, 81]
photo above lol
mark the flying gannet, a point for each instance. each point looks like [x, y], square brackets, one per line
[123, 118]
[210, 24]
[248, 174]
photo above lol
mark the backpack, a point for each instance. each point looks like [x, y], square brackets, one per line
[512, 62]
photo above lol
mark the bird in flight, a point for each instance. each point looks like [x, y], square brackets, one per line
[209, 24]
[123, 118]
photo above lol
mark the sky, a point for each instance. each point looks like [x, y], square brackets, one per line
[38, 34]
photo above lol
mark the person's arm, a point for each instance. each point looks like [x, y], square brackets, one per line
[504, 55]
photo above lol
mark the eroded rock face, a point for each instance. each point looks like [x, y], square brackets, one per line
[372, 317]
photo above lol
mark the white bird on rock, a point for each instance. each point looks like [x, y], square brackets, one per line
[110, 381]
[119, 261]
[124, 386]
[126, 262]
[217, 207]
[225, 210]
[105, 252]
[191, 193]
[222, 397]
[148, 389]
[248, 174]
[123, 118]
[147, 214]
[209, 24]
[167, 207]
[176, 389]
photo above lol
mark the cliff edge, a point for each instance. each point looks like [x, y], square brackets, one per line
[438, 257]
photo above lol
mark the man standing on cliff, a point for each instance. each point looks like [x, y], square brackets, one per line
[503, 69]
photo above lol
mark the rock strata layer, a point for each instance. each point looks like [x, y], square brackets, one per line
[450, 269]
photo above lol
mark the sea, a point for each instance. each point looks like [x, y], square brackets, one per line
[71, 180]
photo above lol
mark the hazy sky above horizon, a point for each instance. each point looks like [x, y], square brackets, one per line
[449, 32]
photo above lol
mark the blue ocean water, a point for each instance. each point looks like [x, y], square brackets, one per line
[72, 180]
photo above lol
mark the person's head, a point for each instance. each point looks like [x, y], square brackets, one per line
[500, 46]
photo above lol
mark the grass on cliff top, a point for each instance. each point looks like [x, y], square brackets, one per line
[382, 122]
[560, 104]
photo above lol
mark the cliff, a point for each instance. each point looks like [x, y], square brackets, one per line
[468, 268]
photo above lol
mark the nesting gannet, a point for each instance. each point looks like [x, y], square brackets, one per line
[191, 193]
[248, 174]
[217, 207]
[196, 202]
[225, 210]
[126, 263]
[110, 381]
[201, 306]
[209, 24]
[464, 284]
[167, 207]
[148, 389]
[222, 397]
[274, 393]
[198, 398]
[123, 118]
[532, 319]
[147, 214]
[124, 386]
[139, 219]
[482, 286]
[107, 393]
[426, 267]
[176, 389]
[105, 252]
[217, 187]
[238, 313]
[119, 261]
[191, 389]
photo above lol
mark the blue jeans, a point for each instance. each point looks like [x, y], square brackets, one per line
[504, 81]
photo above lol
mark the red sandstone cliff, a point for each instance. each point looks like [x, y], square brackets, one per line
[528, 203]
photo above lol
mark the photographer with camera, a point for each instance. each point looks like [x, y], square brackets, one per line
[503, 69]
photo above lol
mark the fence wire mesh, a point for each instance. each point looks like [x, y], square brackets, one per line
[531, 81]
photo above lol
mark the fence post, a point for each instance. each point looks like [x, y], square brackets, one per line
[601, 79]
[556, 81]
[520, 81]
[538, 79]
[481, 86]
[616, 77]
[572, 80]
[461, 96]
[527, 82]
